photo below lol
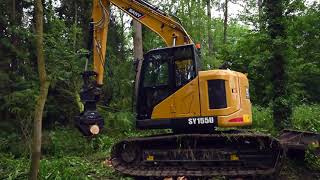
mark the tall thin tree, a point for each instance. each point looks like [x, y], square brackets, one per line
[137, 40]
[277, 62]
[137, 48]
[75, 24]
[210, 39]
[225, 21]
[260, 11]
[14, 37]
[44, 86]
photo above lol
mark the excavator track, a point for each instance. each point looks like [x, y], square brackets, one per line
[198, 155]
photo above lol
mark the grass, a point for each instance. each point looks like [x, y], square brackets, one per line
[307, 117]
[263, 121]
[68, 155]
[304, 117]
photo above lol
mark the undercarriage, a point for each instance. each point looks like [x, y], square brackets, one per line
[229, 154]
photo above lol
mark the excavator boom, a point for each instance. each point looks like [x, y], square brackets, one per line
[164, 25]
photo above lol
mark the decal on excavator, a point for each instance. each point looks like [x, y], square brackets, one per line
[135, 13]
[247, 93]
[201, 120]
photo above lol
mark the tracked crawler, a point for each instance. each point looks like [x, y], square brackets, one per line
[222, 154]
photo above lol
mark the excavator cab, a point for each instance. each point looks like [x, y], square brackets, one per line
[163, 72]
[174, 94]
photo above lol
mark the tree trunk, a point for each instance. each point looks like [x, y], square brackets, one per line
[225, 22]
[44, 86]
[14, 38]
[197, 19]
[277, 63]
[189, 9]
[261, 19]
[137, 41]
[137, 51]
[210, 39]
[122, 31]
[75, 24]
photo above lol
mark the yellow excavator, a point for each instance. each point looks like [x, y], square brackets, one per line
[173, 93]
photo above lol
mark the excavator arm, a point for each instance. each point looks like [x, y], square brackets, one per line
[167, 27]
[164, 25]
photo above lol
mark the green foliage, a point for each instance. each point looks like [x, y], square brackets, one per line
[262, 120]
[21, 103]
[66, 155]
[18, 146]
[66, 167]
[119, 120]
[282, 111]
[303, 37]
[63, 62]
[11, 168]
[306, 117]
[151, 40]
[20, 107]
[72, 167]
[3, 144]
[312, 158]
[65, 141]
[17, 93]
[295, 170]
[62, 104]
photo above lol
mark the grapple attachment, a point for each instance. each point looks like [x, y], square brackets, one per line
[89, 121]
[198, 155]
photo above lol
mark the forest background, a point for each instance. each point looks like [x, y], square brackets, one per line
[284, 92]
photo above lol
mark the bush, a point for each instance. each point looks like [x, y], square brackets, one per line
[306, 117]
[16, 145]
[11, 168]
[263, 120]
[20, 106]
[312, 158]
[120, 120]
[3, 144]
[61, 142]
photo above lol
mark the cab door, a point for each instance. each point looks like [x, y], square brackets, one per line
[155, 83]
[186, 98]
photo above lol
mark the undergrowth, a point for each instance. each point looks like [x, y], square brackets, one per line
[312, 157]
[307, 117]
[304, 117]
[66, 154]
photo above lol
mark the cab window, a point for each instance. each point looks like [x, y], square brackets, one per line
[184, 67]
[156, 73]
[184, 71]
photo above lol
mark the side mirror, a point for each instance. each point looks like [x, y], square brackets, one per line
[226, 65]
